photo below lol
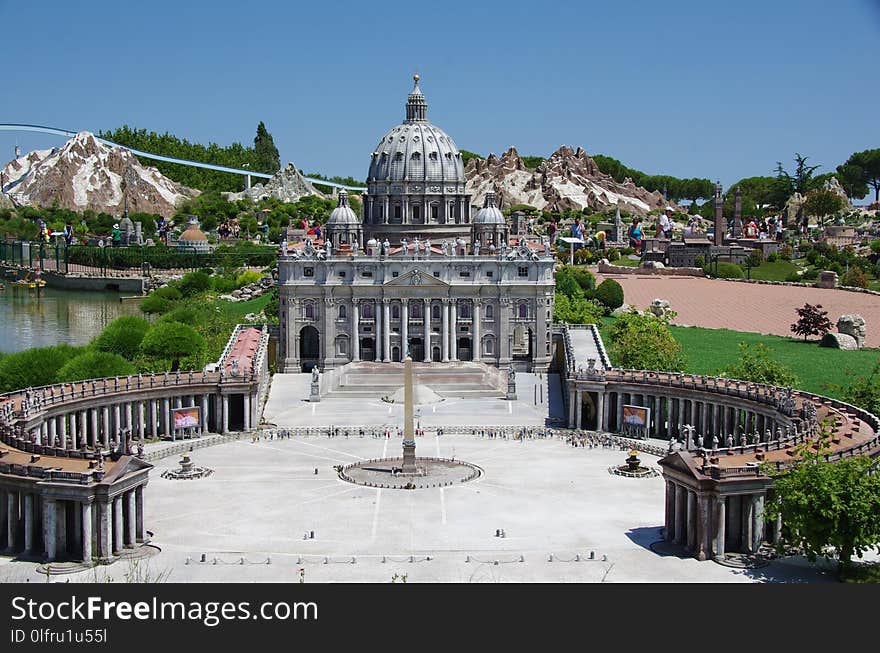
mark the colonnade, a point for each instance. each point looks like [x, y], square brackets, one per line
[63, 527]
[712, 525]
[706, 412]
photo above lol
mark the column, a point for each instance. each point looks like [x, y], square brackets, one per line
[404, 329]
[141, 418]
[579, 404]
[204, 414]
[52, 424]
[83, 428]
[139, 513]
[427, 313]
[720, 522]
[117, 525]
[680, 508]
[166, 418]
[86, 509]
[50, 508]
[154, 422]
[377, 322]
[11, 519]
[355, 330]
[619, 419]
[130, 522]
[777, 529]
[747, 429]
[757, 521]
[453, 344]
[746, 527]
[247, 411]
[668, 414]
[28, 522]
[105, 424]
[600, 411]
[445, 338]
[705, 425]
[717, 426]
[105, 531]
[669, 533]
[62, 423]
[476, 347]
[704, 537]
[386, 328]
[117, 422]
[225, 414]
[73, 429]
[691, 520]
[571, 407]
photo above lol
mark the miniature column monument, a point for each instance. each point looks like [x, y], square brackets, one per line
[409, 443]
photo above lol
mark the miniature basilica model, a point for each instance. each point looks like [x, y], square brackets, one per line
[416, 276]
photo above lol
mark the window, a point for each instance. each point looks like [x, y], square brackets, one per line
[397, 211]
[490, 312]
[489, 274]
[489, 347]
[436, 274]
[342, 312]
[464, 311]
[367, 273]
[435, 212]
[368, 311]
[523, 271]
[342, 347]
[395, 274]
[523, 311]
[415, 213]
[416, 310]
[310, 311]
[395, 312]
[464, 273]
[342, 273]
[435, 312]
[308, 272]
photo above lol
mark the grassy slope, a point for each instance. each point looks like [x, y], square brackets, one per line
[776, 271]
[709, 350]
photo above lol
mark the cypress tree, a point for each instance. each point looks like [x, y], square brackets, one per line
[268, 159]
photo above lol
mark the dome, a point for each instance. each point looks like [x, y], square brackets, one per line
[193, 233]
[343, 215]
[416, 150]
[490, 214]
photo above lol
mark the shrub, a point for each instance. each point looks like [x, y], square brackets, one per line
[700, 261]
[247, 277]
[812, 321]
[153, 304]
[223, 284]
[725, 270]
[754, 259]
[34, 367]
[811, 274]
[644, 342]
[793, 276]
[172, 341]
[785, 253]
[576, 310]
[758, 365]
[772, 257]
[613, 255]
[194, 283]
[93, 365]
[609, 294]
[167, 292]
[855, 277]
[122, 336]
[182, 314]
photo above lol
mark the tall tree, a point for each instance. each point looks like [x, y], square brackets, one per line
[861, 170]
[822, 203]
[801, 181]
[268, 159]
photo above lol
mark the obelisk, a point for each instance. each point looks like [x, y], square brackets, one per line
[409, 442]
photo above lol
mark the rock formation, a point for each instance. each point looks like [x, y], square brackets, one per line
[87, 174]
[569, 179]
[287, 185]
[833, 185]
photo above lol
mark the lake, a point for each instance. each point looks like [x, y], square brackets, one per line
[55, 316]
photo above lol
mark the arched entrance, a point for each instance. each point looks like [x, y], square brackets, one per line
[395, 354]
[368, 349]
[417, 349]
[588, 412]
[435, 354]
[309, 348]
[465, 353]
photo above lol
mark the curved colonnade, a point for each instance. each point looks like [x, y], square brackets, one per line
[71, 469]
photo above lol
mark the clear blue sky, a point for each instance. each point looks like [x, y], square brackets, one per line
[709, 89]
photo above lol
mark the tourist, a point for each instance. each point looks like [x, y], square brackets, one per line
[664, 225]
[116, 235]
[551, 231]
[635, 236]
[577, 231]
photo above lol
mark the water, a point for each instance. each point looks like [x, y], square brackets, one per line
[55, 316]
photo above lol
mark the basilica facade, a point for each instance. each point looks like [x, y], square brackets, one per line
[415, 275]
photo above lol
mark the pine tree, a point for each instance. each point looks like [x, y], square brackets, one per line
[268, 159]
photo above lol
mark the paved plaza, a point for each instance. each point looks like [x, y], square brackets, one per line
[548, 497]
[758, 308]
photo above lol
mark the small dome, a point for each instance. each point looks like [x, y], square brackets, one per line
[193, 233]
[490, 214]
[343, 215]
[372, 242]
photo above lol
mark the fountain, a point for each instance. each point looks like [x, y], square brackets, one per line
[187, 470]
[633, 467]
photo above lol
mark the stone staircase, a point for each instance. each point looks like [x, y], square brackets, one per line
[463, 380]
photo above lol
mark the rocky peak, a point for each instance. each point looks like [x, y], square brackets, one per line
[287, 185]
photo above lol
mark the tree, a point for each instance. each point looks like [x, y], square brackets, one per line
[610, 294]
[758, 365]
[268, 159]
[122, 336]
[576, 310]
[35, 367]
[812, 321]
[575, 282]
[828, 504]
[861, 170]
[821, 203]
[644, 342]
[172, 341]
[802, 181]
[94, 365]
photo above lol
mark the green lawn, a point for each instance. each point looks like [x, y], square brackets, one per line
[776, 271]
[240, 309]
[710, 350]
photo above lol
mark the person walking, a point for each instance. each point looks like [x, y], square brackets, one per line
[635, 236]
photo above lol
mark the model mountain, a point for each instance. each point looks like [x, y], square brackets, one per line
[87, 174]
[569, 179]
[287, 185]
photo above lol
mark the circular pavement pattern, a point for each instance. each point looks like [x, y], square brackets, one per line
[433, 472]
